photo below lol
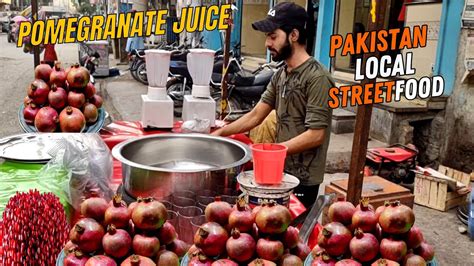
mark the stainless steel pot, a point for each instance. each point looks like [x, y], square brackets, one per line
[160, 164]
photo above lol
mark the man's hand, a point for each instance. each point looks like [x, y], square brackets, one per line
[217, 132]
[309, 139]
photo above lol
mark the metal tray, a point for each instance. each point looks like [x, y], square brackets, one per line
[30, 147]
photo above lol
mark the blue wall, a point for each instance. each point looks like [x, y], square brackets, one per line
[324, 30]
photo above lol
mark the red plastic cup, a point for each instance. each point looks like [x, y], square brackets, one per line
[268, 162]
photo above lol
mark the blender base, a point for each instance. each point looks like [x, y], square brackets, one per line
[203, 108]
[157, 113]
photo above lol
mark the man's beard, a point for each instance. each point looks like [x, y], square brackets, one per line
[284, 53]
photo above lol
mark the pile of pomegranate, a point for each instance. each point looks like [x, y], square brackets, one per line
[364, 235]
[241, 236]
[61, 99]
[112, 233]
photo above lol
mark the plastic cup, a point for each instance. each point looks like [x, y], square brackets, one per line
[268, 162]
[168, 204]
[180, 202]
[203, 201]
[185, 215]
[184, 194]
[173, 219]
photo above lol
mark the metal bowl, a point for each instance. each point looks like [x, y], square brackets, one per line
[160, 164]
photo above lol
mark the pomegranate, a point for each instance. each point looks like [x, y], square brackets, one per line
[38, 92]
[144, 245]
[224, 262]
[27, 100]
[75, 258]
[385, 262]
[57, 76]
[341, 211]
[364, 218]
[301, 250]
[46, 120]
[117, 213]
[137, 260]
[132, 205]
[66, 71]
[273, 219]
[95, 208]
[90, 113]
[316, 249]
[89, 91]
[71, 120]
[69, 247]
[218, 211]
[96, 100]
[43, 72]
[179, 247]
[364, 247]
[241, 218]
[167, 233]
[77, 77]
[76, 99]
[269, 249]
[101, 260]
[211, 238]
[426, 251]
[290, 260]
[192, 249]
[149, 214]
[334, 238]
[397, 218]
[167, 258]
[414, 237]
[87, 235]
[199, 259]
[393, 249]
[414, 260]
[262, 262]
[380, 209]
[240, 246]
[369, 205]
[347, 262]
[323, 259]
[291, 237]
[57, 97]
[116, 242]
[30, 112]
[379, 232]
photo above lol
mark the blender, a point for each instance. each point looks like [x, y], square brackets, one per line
[200, 103]
[157, 106]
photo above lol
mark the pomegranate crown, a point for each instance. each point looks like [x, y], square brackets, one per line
[57, 66]
[364, 203]
[111, 229]
[201, 257]
[117, 199]
[359, 233]
[203, 232]
[395, 203]
[135, 260]
[326, 233]
[235, 233]
[241, 204]
[324, 255]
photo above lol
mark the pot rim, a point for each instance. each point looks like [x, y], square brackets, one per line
[117, 152]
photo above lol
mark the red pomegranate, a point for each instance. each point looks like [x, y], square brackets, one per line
[117, 213]
[70, 247]
[87, 235]
[323, 259]
[224, 262]
[38, 92]
[301, 250]
[397, 218]
[57, 97]
[364, 218]
[381, 208]
[76, 99]
[101, 260]
[218, 211]
[116, 242]
[89, 90]
[43, 72]
[147, 246]
[261, 262]
[30, 112]
[291, 237]
[364, 247]
[137, 260]
[94, 208]
[199, 259]
[426, 251]
[71, 120]
[75, 258]
[290, 260]
[393, 249]
[211, 238]
[149, 214]
[90, 113]
[241, 218]
[167, 258]
[77, 77]
[385, 262]
[347, 262]
[414, 237]
[46, 120]
[269, 249]
[414, 260]
[341, 211]
[179, 247]
[96, 100]
[57, 76]
[240, 246]
[273, 219]
[167, 233]
[334, 238]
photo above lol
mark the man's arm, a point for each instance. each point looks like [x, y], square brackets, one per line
[246, 122]
[309, 139]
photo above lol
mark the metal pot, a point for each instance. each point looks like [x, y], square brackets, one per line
[161, 164]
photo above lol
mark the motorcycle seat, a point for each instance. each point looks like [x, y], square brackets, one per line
[248, 79]
[263, 78]
[251, 91]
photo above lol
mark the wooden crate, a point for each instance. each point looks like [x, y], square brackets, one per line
[436, 193]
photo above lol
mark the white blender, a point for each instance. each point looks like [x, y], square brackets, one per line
[157, 106]
[200, 103]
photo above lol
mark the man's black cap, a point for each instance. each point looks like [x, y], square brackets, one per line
[285, 13]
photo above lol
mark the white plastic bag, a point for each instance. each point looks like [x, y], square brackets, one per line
[197, 125]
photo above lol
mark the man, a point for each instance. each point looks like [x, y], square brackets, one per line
[299, 94]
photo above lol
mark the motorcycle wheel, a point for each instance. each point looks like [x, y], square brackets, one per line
[141, 73]
[174, 90]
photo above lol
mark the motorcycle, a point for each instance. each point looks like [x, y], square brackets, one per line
[89, 60]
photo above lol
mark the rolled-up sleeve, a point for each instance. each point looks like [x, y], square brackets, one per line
[269, 95]
[318, 112]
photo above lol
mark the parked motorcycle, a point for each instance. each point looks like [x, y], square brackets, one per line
[89, 60]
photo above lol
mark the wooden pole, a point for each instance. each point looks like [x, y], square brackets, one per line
[364, 113]
[224, 86]
[34, 17]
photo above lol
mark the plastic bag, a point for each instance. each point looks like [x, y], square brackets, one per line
[88, 163]
[197, 125]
